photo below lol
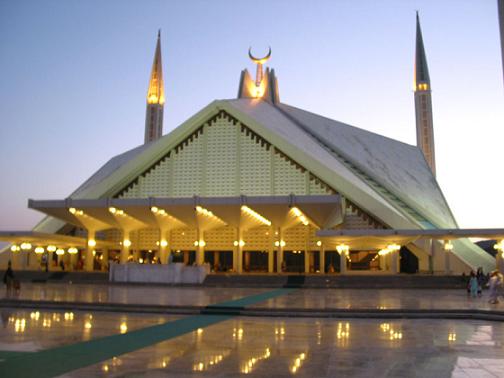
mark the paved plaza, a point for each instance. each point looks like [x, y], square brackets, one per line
[38, 342]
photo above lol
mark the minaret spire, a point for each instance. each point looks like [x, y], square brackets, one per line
[155, 97]
[423, 102]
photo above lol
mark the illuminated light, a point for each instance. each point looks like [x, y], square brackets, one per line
[277, 243]
[72, 210]
[72, 250]
[35, 315]
[25, 246]
[15, 248]
[162, 212]
[123, 327]
[319, 243]
[94, 252]
[393, 247]
[112, 210]
[448, 246]
[154, 209]
[297, 212]
[452, 336]
[140, 260]
[105, 368]
[91, 243]
[39, 250]
[127, 243]
[196, 243]
[60, 251]
[342, 248]
[255, 215]
[199, 331]
[88, 325]
[19, 325]
[163, 243]
[499, 246]
[51, 248]
[282, 243]
[68, 316]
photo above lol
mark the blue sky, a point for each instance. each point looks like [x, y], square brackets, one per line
[75, 75]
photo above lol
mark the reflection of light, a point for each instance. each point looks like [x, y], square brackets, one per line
[297, 363]
[238, 333]
[123, 327]
[88, 325]
[210, 361]
[35, 315]
[19, 325]
[69, 316]
[452, 336]
[392, 333]
[248, 366]
[343, 330]
[105, 368]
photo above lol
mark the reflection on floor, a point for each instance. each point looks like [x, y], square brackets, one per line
[273, 346]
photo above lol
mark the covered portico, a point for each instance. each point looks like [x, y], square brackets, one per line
[190, 223]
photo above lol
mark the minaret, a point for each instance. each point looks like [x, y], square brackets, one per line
[423, 102]
[155, 98]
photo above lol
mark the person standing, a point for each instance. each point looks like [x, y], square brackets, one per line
[494, 285]
[8, 279]
[473, 284]
[481, 281]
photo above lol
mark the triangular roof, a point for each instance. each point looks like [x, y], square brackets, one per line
[387, 178]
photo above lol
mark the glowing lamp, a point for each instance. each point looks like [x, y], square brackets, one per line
[60, 251]
[15, 248]
[51, 248]
[25, 246]
[39, 250]
[91, 242]
[72, 250]
[154, 209]
[127, 243]
[163, 243]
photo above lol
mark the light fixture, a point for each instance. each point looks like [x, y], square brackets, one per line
[342, 248]
[448, 246]
[39, 250]
[163, 243]
[51, 248]
[302, 218]
[112, 210]
[26, 246]
[15, 248]
[255, 215]
[393, 247]
[154, 209]
[91, 242]
[319, 243]
[127, 243]
[72, 250]
[60, 251]
[237, 243]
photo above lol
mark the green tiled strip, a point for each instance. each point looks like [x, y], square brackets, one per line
[57, 361]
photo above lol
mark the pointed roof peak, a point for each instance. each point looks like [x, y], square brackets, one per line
[155, 94]
[421, 68]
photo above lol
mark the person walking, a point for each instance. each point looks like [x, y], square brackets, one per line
[481, 281]
[473, 284]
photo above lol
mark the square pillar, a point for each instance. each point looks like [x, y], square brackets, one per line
[394, 262]
[280, 251]
[322, 259]
[343, 263]
[164, 250]
[239, 251]
[90, 246]
[200, 248]
[125, 250]
[271, 250]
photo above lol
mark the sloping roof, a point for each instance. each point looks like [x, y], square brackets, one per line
[398, 167]
[386, 177]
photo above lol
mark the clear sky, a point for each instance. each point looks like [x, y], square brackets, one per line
[74, 78]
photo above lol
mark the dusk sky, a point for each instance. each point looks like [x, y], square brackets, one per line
[74, 77]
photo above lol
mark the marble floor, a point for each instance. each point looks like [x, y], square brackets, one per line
[270, 346]
[301, 298]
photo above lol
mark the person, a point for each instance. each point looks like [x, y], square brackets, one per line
[62, 265]
[493, 285]
[8, 279]
[473, 284]
[283, 266]
[481, 280]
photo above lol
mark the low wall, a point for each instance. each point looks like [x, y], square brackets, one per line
[176, 273]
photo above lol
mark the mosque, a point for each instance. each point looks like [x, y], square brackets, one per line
[255, 185]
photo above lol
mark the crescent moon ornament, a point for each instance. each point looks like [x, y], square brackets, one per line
[259, 60]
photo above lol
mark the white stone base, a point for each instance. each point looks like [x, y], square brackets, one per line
[176, 273]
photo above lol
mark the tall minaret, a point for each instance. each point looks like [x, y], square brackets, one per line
[155, 98]
[423, 102]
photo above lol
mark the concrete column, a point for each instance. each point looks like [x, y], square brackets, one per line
[307, 259]
[343, 263]
[239, 250]
[499, 261]
[394, 262]
[50, 261]
[186, 257]
[280, 250]
[322, 259]
[90, 246]
[216, 259]
[104, 261]
[383, 262]
[200, 249]
[247, 260]
[271, 250]
[126, 245]
[164, 247]
[447, 262]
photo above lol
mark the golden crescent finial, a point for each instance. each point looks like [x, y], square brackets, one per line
[259, 60]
